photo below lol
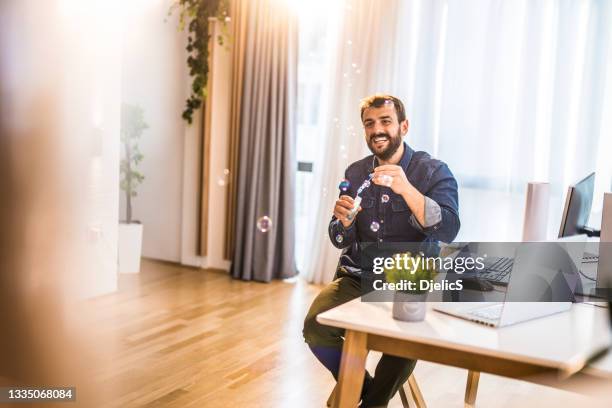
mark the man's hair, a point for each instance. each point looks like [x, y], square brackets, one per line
[378, 100]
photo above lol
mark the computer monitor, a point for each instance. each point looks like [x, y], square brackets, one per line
[577, 207]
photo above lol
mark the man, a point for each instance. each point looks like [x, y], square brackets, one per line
[413, 198]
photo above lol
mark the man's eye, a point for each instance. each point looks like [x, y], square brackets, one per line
[386, 122]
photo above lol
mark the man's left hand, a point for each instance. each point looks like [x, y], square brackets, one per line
[391, 176]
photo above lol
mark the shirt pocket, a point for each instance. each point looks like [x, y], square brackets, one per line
[399, 205]
[367, 202]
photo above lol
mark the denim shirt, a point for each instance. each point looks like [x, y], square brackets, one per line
[395, 221]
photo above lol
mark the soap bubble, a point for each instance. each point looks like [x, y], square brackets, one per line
[339, 238]
[221, 182]
[344, 185]
[374, 226]
[226, 171]
[384, 198]
[264, 224]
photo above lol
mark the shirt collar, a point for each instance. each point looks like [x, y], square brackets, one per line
[404, 161]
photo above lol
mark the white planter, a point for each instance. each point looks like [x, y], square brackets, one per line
[130, 247]
[409, 307]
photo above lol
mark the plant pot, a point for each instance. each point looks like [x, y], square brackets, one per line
[130, 247]
[409, 307]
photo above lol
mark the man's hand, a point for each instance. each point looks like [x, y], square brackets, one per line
[342, 209]
[392, 176]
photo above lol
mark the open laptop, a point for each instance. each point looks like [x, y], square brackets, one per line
[542, 273]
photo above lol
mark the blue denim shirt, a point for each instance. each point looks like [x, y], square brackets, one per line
[430, 176]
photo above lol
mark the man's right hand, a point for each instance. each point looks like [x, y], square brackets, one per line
[342, 209]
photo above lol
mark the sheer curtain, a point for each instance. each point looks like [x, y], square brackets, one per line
[504, 92]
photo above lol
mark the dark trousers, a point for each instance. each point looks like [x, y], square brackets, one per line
[326, 344]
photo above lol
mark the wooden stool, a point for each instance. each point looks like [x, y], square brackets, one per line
[416, 400]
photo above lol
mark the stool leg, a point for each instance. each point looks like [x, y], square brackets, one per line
[471, 388]
[415, 392]
[332, 396]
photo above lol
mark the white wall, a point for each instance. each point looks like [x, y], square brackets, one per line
[155, 78]
[219, 103]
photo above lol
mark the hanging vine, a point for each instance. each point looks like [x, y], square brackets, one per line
[194, 15]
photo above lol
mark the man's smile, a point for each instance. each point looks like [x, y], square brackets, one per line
[380, 141]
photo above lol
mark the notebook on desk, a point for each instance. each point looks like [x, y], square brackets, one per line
[560, 258]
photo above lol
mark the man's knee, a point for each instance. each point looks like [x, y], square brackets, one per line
[314, 332]
[337, 292]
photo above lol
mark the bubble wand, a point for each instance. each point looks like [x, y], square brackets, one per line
[367, 182]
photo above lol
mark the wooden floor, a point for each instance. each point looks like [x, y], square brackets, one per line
[181, 337]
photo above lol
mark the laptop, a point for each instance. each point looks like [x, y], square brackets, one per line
[542, 282]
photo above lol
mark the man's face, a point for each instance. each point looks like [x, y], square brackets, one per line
[383, 132]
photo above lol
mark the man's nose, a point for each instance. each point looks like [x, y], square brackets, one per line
[378, 128]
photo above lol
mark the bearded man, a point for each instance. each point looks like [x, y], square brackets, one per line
[413, 198]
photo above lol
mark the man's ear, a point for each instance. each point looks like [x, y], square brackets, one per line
[404, 127]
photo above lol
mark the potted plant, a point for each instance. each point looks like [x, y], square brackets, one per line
[130, 230]
[409, 304]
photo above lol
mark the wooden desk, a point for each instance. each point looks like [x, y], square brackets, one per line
[559, 344]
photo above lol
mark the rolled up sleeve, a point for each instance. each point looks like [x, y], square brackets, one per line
[441, 223]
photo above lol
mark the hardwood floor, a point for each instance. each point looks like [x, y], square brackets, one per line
[174, 336]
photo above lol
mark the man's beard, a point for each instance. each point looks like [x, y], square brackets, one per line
[392, 145]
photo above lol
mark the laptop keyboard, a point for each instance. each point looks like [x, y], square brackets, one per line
[590, 258]
[488, 313]
[498, 272]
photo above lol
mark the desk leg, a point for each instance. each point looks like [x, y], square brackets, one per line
[352, 369]
[471, 388]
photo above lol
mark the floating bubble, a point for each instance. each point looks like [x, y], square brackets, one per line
[264, 224]
[374, 226]
[226, 171]
[342, 147]
[354, 65]
[358, 71]
[221, 182]
[344, 185]
[349, 42]
[339, 238]
[384, 198]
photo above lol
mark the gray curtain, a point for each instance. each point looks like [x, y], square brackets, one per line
[265, 162]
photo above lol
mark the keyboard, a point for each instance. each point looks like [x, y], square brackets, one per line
[488, 313]
[497, 272]
[588, 257]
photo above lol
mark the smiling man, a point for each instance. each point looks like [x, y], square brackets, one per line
[413, 199]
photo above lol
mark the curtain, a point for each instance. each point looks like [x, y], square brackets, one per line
[352, 75]
[504, 92]
[266, 138]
